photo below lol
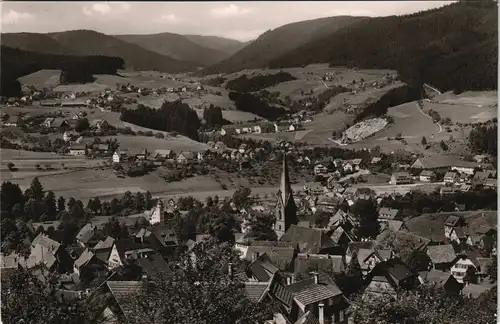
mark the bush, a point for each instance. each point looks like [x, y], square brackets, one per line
[159, 135]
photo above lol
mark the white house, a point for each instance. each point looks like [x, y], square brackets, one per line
[401, 178]
[461, 264]
[66, 137]
[118, 156]
[155, 215]
[78, 149]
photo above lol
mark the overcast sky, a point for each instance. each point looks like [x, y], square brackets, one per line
[238, 20]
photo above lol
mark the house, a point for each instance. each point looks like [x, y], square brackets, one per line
[401, 178]
[68, 136]
[141, 154]
[186, 157]
[451, 222]
[442, 279]
[74, 103]
[479, 179]
[115, 308]
[368, 257]
[162, 155]
[320, 169]
[281, 254]
[309, 240]
[48, 252]
[450, 178]
[305, 262]
[262, 269]
[12, 121]
[314, 188]
[443, 191]
[78, 149]
[98, 124]
[100, 148]
[320, 296]
[127, 249]
[386, 213]
[48, 121]
[89, 263]
[50, 103]
[119, 156]
[356, 164]
[227, 130]
[376, 160]
[491, 183]
[444, 163]
[463, 262]
[427, 176]
[88, 236]
[155, 215]
[263, 128]
[389, 276]
[59, 123]
[441, 256]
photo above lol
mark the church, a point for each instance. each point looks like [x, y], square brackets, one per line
[286, 209]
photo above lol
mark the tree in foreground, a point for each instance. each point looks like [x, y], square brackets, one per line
[200, 291]
[26, 299]
[427, 305]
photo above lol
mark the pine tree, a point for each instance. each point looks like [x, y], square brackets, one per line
[37, 189]
[50, 204]
[424, 141]
[61, 204]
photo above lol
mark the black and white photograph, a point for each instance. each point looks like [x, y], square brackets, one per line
[248, 162]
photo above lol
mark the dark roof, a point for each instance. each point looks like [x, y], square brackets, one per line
[122, 290]
[281, 293]
[127, 245]
[310, 240]
[255, 291]
[452, 220]
[388, 213]
[393, 267]
[153, 264]
[106, 244]
[355, 246]
[303, 262]
[441, 253]
[262, 268]
[282, 257]
[84, 259]
[308, 292]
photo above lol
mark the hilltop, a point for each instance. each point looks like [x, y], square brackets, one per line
[274, 43]
[226, 45]
[176, 46]
[431, 46]
[88, 42]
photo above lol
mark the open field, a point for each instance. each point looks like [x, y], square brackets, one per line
[177, 144]
[473, 98]
[41, 79]
[402, 189]
[463, 113]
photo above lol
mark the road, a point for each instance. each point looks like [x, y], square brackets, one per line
[326, 85]
[421, 111]
[432, 88]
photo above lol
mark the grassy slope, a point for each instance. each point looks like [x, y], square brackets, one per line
[279, 41]
[177, 47]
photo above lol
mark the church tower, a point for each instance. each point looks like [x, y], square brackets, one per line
[286, 210]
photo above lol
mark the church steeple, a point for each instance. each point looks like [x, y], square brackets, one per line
[286, 210]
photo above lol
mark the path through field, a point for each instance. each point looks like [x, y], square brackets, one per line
[439, 125]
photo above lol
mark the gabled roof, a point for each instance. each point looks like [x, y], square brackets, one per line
[452, 220]
[187, 155]
[281, 256]
[388, 213]
[84, 258]
[427, 173]
[393, 267]
[255, 291]
[281, 293]
[46, 242]
[86, 233]
[106, 244]
[450, 175]
[441, 253]
[356, 246]
[308, 292]
[127, 245]
[153, 264]
[304, 261]
[308, 239]
[262, 268]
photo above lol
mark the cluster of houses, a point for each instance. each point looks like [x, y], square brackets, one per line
[260, 127]
[289, 271]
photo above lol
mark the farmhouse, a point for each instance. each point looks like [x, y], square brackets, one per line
[427, 176]
[441, 256]
[263, 128]
[386, 213]
[186, 157]
[479, 179]
[124, 249]
[462, 263]
[78, 149]
[450, 178]
[73, 104]
[314, 188]
[12, 121]
[227, 130]
[119, 156]
[401, 178]
[445, 163]
[98, 124]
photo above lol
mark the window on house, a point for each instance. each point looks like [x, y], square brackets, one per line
[333, 318]
[341, 316]
[279, 227]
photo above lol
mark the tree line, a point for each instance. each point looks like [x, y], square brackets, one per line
[173, 116]
[484, 139]
[259, 82]
[254, 104]
[16, 63]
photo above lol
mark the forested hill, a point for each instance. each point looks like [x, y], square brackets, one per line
[16, 63]
[453, 47]
[279, 41]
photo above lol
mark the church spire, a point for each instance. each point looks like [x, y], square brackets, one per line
[285, 187]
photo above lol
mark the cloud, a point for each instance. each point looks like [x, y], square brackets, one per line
[13, 17]
[169, 19]
[106, 9]
[231, 10]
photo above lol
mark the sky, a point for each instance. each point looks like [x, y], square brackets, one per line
[242, 21]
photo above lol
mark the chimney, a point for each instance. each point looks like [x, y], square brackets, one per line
[230, 270]
[321, 315]
[288, 281]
